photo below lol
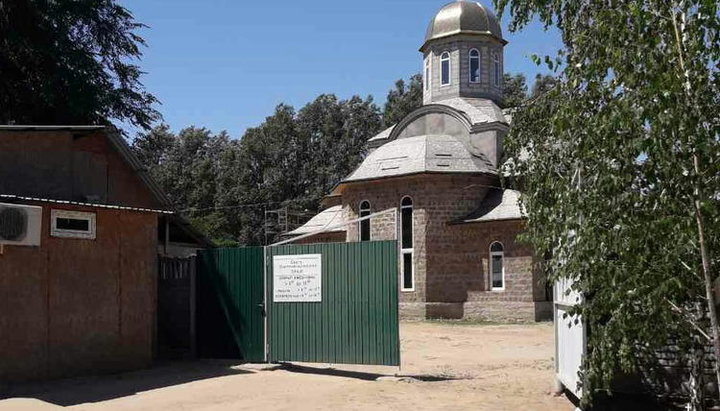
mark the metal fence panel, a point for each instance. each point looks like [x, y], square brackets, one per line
[230, 291]
[570, 337]
[357, 320]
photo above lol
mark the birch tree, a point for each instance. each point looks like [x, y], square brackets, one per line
[634, 114]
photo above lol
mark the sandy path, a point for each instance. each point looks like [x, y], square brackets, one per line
[451, 366]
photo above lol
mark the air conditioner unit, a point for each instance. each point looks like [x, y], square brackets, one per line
[20, 224]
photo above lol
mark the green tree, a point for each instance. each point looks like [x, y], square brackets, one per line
[337, 132]
[514, 90]
[153, 147]
[403, 99]
[187, 167]
[543, 83]
[621, 175]
[70, 62]
[269, 172]
[293, 159]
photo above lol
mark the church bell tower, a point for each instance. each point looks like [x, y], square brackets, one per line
[463, 54]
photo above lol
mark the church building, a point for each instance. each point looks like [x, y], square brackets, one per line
[456, 227]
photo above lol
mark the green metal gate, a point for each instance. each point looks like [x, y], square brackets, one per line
[354, 320]
[230, 303]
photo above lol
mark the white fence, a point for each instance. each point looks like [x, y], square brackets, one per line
[570, 337]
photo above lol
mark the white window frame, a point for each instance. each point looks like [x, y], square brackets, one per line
[404, 251]
[449, 60]
[428, 73]
[496, 69]
[76, 215]
[501, 254]
[360, 210]
[470, 59]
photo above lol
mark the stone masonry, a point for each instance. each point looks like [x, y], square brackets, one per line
[459, 48]
[451, 260]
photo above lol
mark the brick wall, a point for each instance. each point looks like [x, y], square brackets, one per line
[76, 306]
[334, 237]
[451, 261]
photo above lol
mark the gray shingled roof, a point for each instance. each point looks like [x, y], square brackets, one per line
[329, 217]
[497, 205]
[383, 134]
[421, 154]
[479, 110]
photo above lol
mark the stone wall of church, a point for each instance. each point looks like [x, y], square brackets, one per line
[525, 297]
[334, 237]
[451, 260]
[387, 194]
[459, 48]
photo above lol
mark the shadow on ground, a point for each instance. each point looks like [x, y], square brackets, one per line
[627, 401]
[82, 390]
[367, 376]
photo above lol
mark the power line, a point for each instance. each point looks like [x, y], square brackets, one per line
[248, 205]
[269, 203]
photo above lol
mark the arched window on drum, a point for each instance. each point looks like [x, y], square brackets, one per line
[497, 72]
[474, 64]
[445, 69]
[427, 74]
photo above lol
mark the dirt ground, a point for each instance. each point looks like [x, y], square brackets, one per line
[444, 366]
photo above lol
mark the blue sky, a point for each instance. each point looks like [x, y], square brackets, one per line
[225, 64]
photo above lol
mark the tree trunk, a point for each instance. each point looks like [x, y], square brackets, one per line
[696, 382]
[712, 310]
[707, 277]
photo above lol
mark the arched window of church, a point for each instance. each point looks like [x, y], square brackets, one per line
[364, 224]
[427, 74]
[497, 266]
[406, 244]
[474, 63]
[496, 69]
[445, 69]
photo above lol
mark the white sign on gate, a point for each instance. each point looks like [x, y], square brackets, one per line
[297, 278]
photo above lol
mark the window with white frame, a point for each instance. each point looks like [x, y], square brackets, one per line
[427, 74]
[496, 69]
[497, 266]
[72, 224]
[364, 231]
[406, 245]
[445, 69]
[474, 64]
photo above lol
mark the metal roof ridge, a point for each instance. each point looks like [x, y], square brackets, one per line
[83, 204]
[50, 127]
